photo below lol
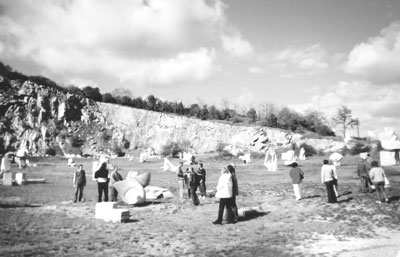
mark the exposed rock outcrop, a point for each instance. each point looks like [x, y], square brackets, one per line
[48, 120]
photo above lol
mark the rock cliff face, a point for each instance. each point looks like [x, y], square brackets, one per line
[47, 120]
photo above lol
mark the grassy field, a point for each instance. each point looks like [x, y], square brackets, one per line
[43, 222]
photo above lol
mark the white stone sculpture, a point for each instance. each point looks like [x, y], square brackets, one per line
[336, 158]
[245, 158]
[302, 154]
[288, 157]
[271, 161]
[169, 166]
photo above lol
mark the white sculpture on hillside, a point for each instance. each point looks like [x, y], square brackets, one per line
[271, 161]
[169, 166]
[302, 154]
[289, 157]
[245, 158]
[389, 139]
[336, 158]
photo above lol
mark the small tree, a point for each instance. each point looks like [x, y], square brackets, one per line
[252, 114]
[344, 119]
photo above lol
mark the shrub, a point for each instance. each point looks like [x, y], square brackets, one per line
[50, 151]
[309, 150]
[173, 148]
[76, 141]
[220, 147]
[357, 148]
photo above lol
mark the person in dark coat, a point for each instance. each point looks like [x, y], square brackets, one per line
[79, 183]
[202, 184]
[101, 175]
[363, 169]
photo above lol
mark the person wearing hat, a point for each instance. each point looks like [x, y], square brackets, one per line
[297, 176]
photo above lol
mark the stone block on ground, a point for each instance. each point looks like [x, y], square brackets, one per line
[7, 179]
[109, 212]
[20, 178]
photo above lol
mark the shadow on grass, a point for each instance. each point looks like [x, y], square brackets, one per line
[138, 205]
[394, 198]
[311, 196]
[345, 200]
[253, 214]
[6, 206]
[346, 193]
[131, 221]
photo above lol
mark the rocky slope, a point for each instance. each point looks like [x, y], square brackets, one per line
[48, 120]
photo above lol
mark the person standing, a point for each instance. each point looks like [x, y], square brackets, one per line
[201, 173]
[115, 177]
[363, 168]
[194, 184]
[235, 192]
[101, 175]
[335, 180]
[327, 177]
[79, 182]
[224, 193]
[6, 163]
[377, 175]
[181, 180]
[297, 176]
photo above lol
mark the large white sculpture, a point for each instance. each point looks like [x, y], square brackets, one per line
[336, 158]
[302, 154]
[169, 166]
[389, 139]
[288, 157]
[132, 190]
[271, 161]
[245, 158]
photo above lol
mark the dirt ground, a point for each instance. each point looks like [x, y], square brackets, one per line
[40, 220]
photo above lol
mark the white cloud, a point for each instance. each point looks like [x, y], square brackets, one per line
[195, 66]
[374, 105]
[245, 100]
[237, 46]
[134, 41]
[306, 61]
[377, 59]
[256, 70]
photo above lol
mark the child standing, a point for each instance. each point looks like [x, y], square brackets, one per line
[79, 182]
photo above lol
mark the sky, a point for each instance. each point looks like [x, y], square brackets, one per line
[302, 54]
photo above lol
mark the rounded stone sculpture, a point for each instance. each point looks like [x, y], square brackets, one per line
[132, 190]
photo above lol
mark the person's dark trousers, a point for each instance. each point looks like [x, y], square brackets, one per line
[78, 193]
[202, 188]
[114, 194]
[102, 187]
[195, 199]
[331, 192]
[225, 202]
[234, 208]
[364, 184]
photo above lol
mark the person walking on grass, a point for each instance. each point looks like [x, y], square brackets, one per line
[297, 176]
[328, 175]
[101, 175]
[115, 177]
[181, 180]
[201, 173]
[363, 169]
[377, 175]
[235, 192]
[224, 193]
[194, 184]
[79, 182]
[335, 180]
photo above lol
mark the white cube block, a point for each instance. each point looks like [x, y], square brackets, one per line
[20, 178]
[7, 179]
[103, 208]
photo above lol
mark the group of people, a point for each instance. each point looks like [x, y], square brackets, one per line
[192, 179]
[105, 181]
[372, 178]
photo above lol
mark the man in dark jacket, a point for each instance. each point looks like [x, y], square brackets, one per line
[363, 168]
[79, 182]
